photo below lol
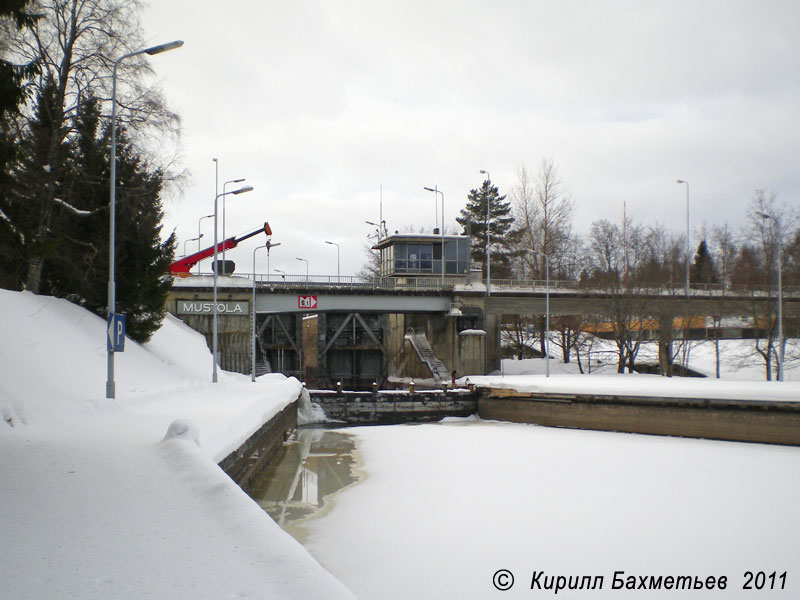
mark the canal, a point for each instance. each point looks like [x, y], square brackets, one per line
[313, 464]
[446, 506]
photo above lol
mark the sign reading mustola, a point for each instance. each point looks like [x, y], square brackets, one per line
[206, 307]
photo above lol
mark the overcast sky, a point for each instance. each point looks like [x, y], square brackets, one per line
[319, 103]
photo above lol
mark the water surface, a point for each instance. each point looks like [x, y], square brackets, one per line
[313, 464]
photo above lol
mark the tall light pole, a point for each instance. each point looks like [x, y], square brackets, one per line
[381, 228]
[194, 239]
[338, 274]
[253, 309]
[488, 240]
[225, 185]
[546, 336]
[305, 261]
[777, 223]
[688, 249]
[112, 202]
[215, 333]
[436, 190]
[199, 235]
[270, 245]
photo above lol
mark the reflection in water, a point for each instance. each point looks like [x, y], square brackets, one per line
[311, 465]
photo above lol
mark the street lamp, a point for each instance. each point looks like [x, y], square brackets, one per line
[200, 220]
[546, 314]
[688, 249]
[112, 202]
[338, 274]
[194, 239]
[488, 246]
[780, 296]
[224, 185]
[436, 190]
[248, 188]
[270, 245]
[282, 272]
[305, 261]
[253, 309]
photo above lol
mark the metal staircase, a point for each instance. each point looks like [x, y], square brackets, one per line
[419, 341]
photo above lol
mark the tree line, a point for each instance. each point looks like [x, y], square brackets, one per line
[56, 59]
[531, 236]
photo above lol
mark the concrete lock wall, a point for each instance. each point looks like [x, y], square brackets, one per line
[732, 420]
[233, 326]
[369, 347]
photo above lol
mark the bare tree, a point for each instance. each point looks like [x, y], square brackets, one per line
[768, 223]
[543, 214]
[515, 333]
[372, 267]
[76, 43]
[723, 249]
[615, 257]
[526, 215]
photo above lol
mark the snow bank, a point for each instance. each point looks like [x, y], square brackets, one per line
[123, 498]
[644, 386]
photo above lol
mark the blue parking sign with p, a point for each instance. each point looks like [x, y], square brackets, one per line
[116, 333]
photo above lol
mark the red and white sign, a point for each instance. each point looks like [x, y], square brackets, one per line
[307, 302]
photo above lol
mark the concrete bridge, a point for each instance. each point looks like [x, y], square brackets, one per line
[330, 329]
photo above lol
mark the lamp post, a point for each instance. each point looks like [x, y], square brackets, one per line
[270, 245]
[194, 239]
[546, 336]
[215, 332]
[436, 190]
[780, 295]
[253, 309]
[688, 249]
[381, 228]
[225, 185]
[199, 235]
[338, 274]
[305, 261]
[488, 241]
[282, 272]
[112, 202]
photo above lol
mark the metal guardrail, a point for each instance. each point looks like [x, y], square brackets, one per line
[411, 284]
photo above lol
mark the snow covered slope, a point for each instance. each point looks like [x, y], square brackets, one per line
[100, 501]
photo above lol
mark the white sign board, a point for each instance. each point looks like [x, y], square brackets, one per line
[206, 307]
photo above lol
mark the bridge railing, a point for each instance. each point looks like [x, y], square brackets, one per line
[354, 282]
[349, 282]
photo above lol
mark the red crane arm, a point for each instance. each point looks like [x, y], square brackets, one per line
[183, 267]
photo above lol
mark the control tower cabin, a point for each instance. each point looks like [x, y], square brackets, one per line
[420, 255]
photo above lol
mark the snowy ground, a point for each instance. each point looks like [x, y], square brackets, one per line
[443, 507]
[99, 500]
[738, 360]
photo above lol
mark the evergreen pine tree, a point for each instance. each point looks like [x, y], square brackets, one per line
[703, 271]
[143, 280]
[79, 270]
[13, 77]
[473, 220]
[22, 202]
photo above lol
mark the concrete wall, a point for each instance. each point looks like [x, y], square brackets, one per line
[310, 349]
[767, 422]
[233, 331]
[464, 354]
[246, 463]
[392, 407]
